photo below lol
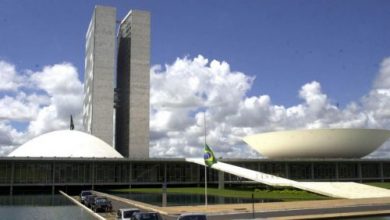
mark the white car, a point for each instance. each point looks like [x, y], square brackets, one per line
[126, 213]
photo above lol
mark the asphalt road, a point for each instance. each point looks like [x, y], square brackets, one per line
[117, 205]
[269, 214]
[301, 212]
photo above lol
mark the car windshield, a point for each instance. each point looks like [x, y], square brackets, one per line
[86, 193]
[150, 216]
[128, 214]
[101, 201]
[193, 217]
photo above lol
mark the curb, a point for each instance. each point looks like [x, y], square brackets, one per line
[97, 216]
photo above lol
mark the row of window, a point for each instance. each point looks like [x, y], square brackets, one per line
[180, 172]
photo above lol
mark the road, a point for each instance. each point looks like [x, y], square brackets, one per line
[301, 212]
[298, 213]
[273, 214]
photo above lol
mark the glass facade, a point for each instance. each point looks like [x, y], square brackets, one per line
[300, 171]
[386, 169]
[100, 172]
[5, 172]
[348, 171]
[370, 170]
[326, 171]
[72, 173]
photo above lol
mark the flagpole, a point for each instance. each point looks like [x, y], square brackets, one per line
[205, 167]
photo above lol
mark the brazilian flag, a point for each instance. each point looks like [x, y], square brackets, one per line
[209, 158]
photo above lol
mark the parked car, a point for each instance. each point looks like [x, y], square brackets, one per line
[146, 216]
[89, 200]
[101, 204]
[83, 195]
[192, 216]
[125, 214]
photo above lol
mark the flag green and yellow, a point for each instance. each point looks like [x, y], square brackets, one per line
[209, 158]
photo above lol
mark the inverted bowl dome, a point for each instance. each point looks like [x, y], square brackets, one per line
[65, 143]
[318, 143]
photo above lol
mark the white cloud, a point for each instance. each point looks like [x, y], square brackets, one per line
[59, 79]
[382, 81]
[44, 99]
[182, 90]
[18, 108]
[10, 80]
[9, 137]
[62, 84]
[180, 94]
[376, 103]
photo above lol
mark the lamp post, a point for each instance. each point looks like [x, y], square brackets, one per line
[253, 204]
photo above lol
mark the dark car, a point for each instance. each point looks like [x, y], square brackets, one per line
[89, 200]
[192, 216]
[83, 195]
[146, 216]
[101, 204]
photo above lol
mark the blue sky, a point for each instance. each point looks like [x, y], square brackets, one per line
[288, 64]
[283, 43]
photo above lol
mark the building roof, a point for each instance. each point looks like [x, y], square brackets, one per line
[318, 143]
[66, 143]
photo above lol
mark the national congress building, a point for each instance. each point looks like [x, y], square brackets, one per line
[116, 119]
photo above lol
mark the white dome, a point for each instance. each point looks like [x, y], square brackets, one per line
[318, 143]
[65, 143]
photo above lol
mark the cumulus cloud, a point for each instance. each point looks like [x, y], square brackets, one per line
[43, 100]
[10, 80]
[62, 85]
[59, 79]
[19, 107]
[382, 81]
[183, 94]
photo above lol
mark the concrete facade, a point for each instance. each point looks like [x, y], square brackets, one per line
[132, 92]
[318, 143]
[98, 109]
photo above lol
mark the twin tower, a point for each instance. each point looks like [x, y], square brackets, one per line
[116, 80]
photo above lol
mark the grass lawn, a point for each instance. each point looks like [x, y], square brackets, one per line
[279, 194]
[379, 184]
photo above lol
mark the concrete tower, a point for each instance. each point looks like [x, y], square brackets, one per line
[99, 74]
[132, 92]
